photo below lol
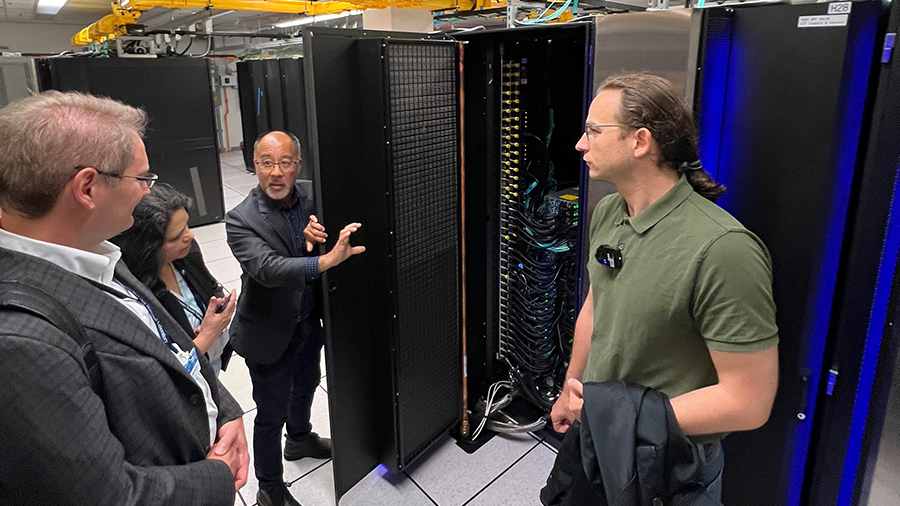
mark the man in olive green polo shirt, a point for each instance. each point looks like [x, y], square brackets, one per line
[683, 303]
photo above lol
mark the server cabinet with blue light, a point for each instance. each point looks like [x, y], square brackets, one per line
[859, 442]
[271, 99]
[781, 101]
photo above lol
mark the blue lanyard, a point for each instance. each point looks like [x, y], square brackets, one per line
[187, 307]
[159, 328]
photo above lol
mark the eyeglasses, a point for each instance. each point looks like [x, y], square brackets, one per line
[588, 128]
[148, 178]
[285, 165]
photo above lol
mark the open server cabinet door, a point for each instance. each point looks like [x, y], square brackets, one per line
[181, 138]
[384, 137]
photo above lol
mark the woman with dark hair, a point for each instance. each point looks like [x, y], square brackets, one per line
[161, 252]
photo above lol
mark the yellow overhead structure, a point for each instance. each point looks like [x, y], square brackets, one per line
[126, 12]
[108, 27]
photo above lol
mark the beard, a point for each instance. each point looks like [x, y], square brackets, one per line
[279, 194]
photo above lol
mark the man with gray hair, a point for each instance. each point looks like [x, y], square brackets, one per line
[277, 327]
[153, 426]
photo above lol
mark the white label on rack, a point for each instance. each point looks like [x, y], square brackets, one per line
[822, 21]
[839, 7]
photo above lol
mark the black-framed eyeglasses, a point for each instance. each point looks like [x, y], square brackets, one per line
[148, 178]
[588, 128]
[285, 165]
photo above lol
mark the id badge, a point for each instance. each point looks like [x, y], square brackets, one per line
[192, 365]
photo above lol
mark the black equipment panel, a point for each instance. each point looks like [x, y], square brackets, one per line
[859, 440]
[181, 138]
[254, 107]
[789, 156]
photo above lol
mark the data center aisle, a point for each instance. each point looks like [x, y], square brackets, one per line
[508, 470]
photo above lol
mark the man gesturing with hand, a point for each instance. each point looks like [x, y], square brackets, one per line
[277, 325]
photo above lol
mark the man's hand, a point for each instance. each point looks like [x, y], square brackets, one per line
[567, 408]
[230, 457]
[342, 250]
[231, 447]
[314, 232]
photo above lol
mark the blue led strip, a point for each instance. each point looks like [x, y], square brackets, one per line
[859, 63]
[872, 348]
[714, 85]
[259, 96]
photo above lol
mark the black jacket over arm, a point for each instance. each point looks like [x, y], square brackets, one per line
[273, 278]
[629, 450]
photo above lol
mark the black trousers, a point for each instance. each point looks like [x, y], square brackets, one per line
[283, 392]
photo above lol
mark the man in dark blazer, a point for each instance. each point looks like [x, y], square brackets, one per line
[159, 428]
[277, 325]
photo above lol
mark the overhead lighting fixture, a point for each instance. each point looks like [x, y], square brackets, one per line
[315, 19]
[50, 7]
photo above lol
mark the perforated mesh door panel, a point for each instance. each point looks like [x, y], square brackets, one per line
[422, 89]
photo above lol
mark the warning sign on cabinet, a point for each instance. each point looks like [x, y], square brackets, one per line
[820, 21]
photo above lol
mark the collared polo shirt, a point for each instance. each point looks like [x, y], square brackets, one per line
[692, 279]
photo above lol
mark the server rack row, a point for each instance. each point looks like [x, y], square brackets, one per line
[271, 99]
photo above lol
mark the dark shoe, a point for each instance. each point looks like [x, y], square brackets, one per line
[278, 497]
[310, 446]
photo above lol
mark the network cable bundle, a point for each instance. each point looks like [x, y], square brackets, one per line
[538, 238]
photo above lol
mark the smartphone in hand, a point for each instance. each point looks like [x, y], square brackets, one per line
[224, 303]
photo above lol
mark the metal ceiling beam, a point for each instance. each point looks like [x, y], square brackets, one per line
[185, 21]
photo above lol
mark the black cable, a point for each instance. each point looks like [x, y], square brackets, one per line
[190, 43]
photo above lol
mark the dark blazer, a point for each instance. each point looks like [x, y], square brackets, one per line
[198, 277]
[629, 451]
[143, 439]
[273, 278]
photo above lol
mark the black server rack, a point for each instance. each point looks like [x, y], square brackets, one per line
[181, 138]
[384, 116]
[782, 96]
[271, 99]
[526, 96]
[858, 444]
[384, 138]
[253, 94]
